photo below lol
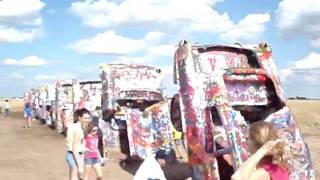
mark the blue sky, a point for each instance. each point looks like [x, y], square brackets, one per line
[43, 41]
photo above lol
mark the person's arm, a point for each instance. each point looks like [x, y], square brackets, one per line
[99, 156]
[249, 170]
[75, 148]
[85, 147]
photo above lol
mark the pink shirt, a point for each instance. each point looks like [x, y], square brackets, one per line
[91, 143]
[276, 172]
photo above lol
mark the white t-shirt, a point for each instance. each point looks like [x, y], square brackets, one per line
[72, 129]
[149, 169]
[6, 105]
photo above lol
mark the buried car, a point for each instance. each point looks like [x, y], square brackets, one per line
[223, 89]
[72, 96]
[132, 94]
[64, 105]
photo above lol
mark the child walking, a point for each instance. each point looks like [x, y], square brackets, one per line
[27, 115]
[92, 157]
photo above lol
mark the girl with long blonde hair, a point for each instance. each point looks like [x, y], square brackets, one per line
[268, 160]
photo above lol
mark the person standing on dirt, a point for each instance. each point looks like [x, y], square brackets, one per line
[75, 147]
[97, 121]
[6, 108]
[27, 115]
[92, 157]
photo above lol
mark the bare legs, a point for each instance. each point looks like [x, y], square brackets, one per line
[73, 174]
[97, 168]
[28, 122]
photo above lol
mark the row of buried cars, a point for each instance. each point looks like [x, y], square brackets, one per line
[222, 90]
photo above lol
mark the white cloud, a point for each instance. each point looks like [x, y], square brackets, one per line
[285, 73]
[13, 35]
[306, 70]
[162, 50]
[106, 14]
[15, 76]
[87, 69]
[311, 61]
[153, 53]
[300, 18]
[248, 29]
[133, 60]
[27, 61]
[154, 36]
[45, 77]
[18, 11]
[302, 79]
[108, 43]
[313, 79]
[181, 16]
[20, 21]
[167, 15]
[60, 76]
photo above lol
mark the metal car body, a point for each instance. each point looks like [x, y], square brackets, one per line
[222, 90]
[87, 94]
[134, 93]
[64, 105]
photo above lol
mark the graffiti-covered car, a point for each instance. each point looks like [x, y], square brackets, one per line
[87, 94]
[75, 95]
[64, 105]
[223, 89]
[133, 93]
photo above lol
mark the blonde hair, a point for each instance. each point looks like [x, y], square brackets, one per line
[260, 133]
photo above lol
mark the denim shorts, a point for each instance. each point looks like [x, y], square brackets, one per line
[71, 160]
[91, 161]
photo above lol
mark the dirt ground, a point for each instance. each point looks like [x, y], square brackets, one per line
[38, 153]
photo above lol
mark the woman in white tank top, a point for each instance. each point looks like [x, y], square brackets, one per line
[75, 147]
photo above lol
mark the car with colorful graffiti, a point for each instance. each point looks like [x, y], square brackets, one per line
[42, 100]
[64, 105]
[75, 95]
[222, 90]
[134, 105]
[87, 94]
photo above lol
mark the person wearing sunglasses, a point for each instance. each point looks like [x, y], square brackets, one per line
[92, 157]
[75, 146]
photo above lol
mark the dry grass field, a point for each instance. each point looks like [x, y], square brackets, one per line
[306, 112]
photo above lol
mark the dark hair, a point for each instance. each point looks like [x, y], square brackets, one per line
[27, 105]
[98, 108]
[79, 113]
[108, 114]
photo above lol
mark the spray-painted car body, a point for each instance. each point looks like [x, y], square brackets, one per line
[50, 105]
[136, 89]
[222, 90]
[87, 94]
[72, 96]
[64, 105]
[42, 102]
